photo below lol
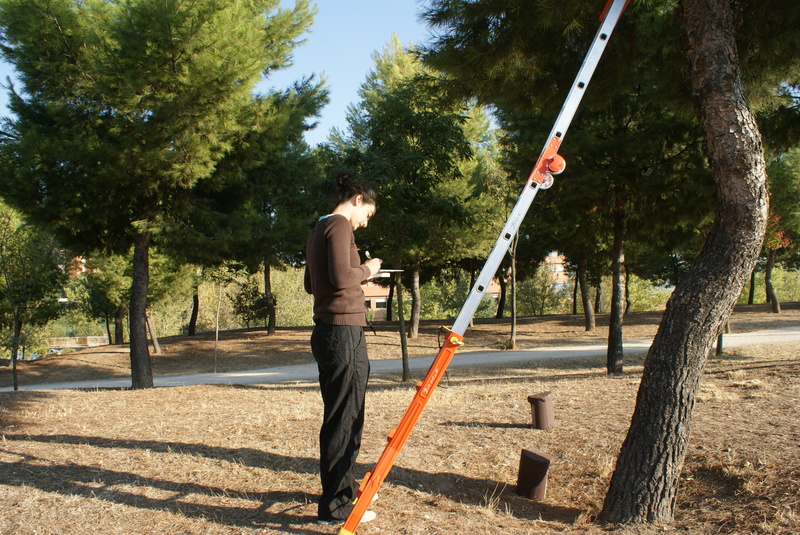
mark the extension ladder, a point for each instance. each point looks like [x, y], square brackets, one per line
[549, 163]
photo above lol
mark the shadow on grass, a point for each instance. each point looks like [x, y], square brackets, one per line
[92, 482]
[13, 404]
[493, 425]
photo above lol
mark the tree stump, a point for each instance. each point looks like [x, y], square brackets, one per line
[532, 478]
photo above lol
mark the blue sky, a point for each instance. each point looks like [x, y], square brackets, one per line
[340, 45]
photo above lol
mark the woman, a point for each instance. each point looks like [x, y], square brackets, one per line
[334, 274]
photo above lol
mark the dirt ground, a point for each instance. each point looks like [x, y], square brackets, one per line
[243, 460]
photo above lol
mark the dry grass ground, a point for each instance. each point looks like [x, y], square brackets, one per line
[242, 460]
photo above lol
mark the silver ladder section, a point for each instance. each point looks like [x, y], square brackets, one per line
[613, 12]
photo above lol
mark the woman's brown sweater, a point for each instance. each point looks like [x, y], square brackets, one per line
[334, 273]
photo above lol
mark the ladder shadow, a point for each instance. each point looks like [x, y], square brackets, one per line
[71, 479]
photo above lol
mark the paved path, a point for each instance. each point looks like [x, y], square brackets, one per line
[308, 372]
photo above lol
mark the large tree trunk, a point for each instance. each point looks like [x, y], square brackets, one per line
[416, 302]
[119, 326]
[772, 297]
[586, 298]
[271, 320]
[141, 371]
[614, 352]
[645, 482]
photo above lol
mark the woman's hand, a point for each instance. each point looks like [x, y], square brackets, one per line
[374, 265]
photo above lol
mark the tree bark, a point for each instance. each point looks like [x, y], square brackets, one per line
[772, 297]
[141, 370]
[271, 319]
[108, 330]
[575, 297]
[501, 300]
[598, 298]
[416, 302]
[403, 342]
[586, 298]
[390, 303]
[153, 334]
[119, 326]
[195, 311]
[752, 296]
[645, 482]
[628, 302]
[195, 303]
[614, 353]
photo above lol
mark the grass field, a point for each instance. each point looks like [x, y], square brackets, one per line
[243, 460]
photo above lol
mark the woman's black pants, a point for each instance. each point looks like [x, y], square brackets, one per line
[341, 355]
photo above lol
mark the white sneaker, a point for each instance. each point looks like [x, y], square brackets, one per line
[368, 516]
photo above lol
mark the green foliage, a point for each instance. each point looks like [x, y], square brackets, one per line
[74, 323]
[127, 105]
[408, 140]
[645, 296]
[249, 302]
[32, 275]
[32, 341]
[443, 299]
[104, 286]
[294, 305]
[537, 295]
[783, 175]
[127, 113]
[209, 294]
[170, 315]
[258, 207]
[786, 283]
[634, 138]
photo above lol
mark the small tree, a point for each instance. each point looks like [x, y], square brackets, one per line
[783, 227]
[410, 140]
[249, 303]
[106, 285]
[32, 275]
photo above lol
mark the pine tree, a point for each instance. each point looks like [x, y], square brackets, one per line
[125, 107]
[408, 139]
